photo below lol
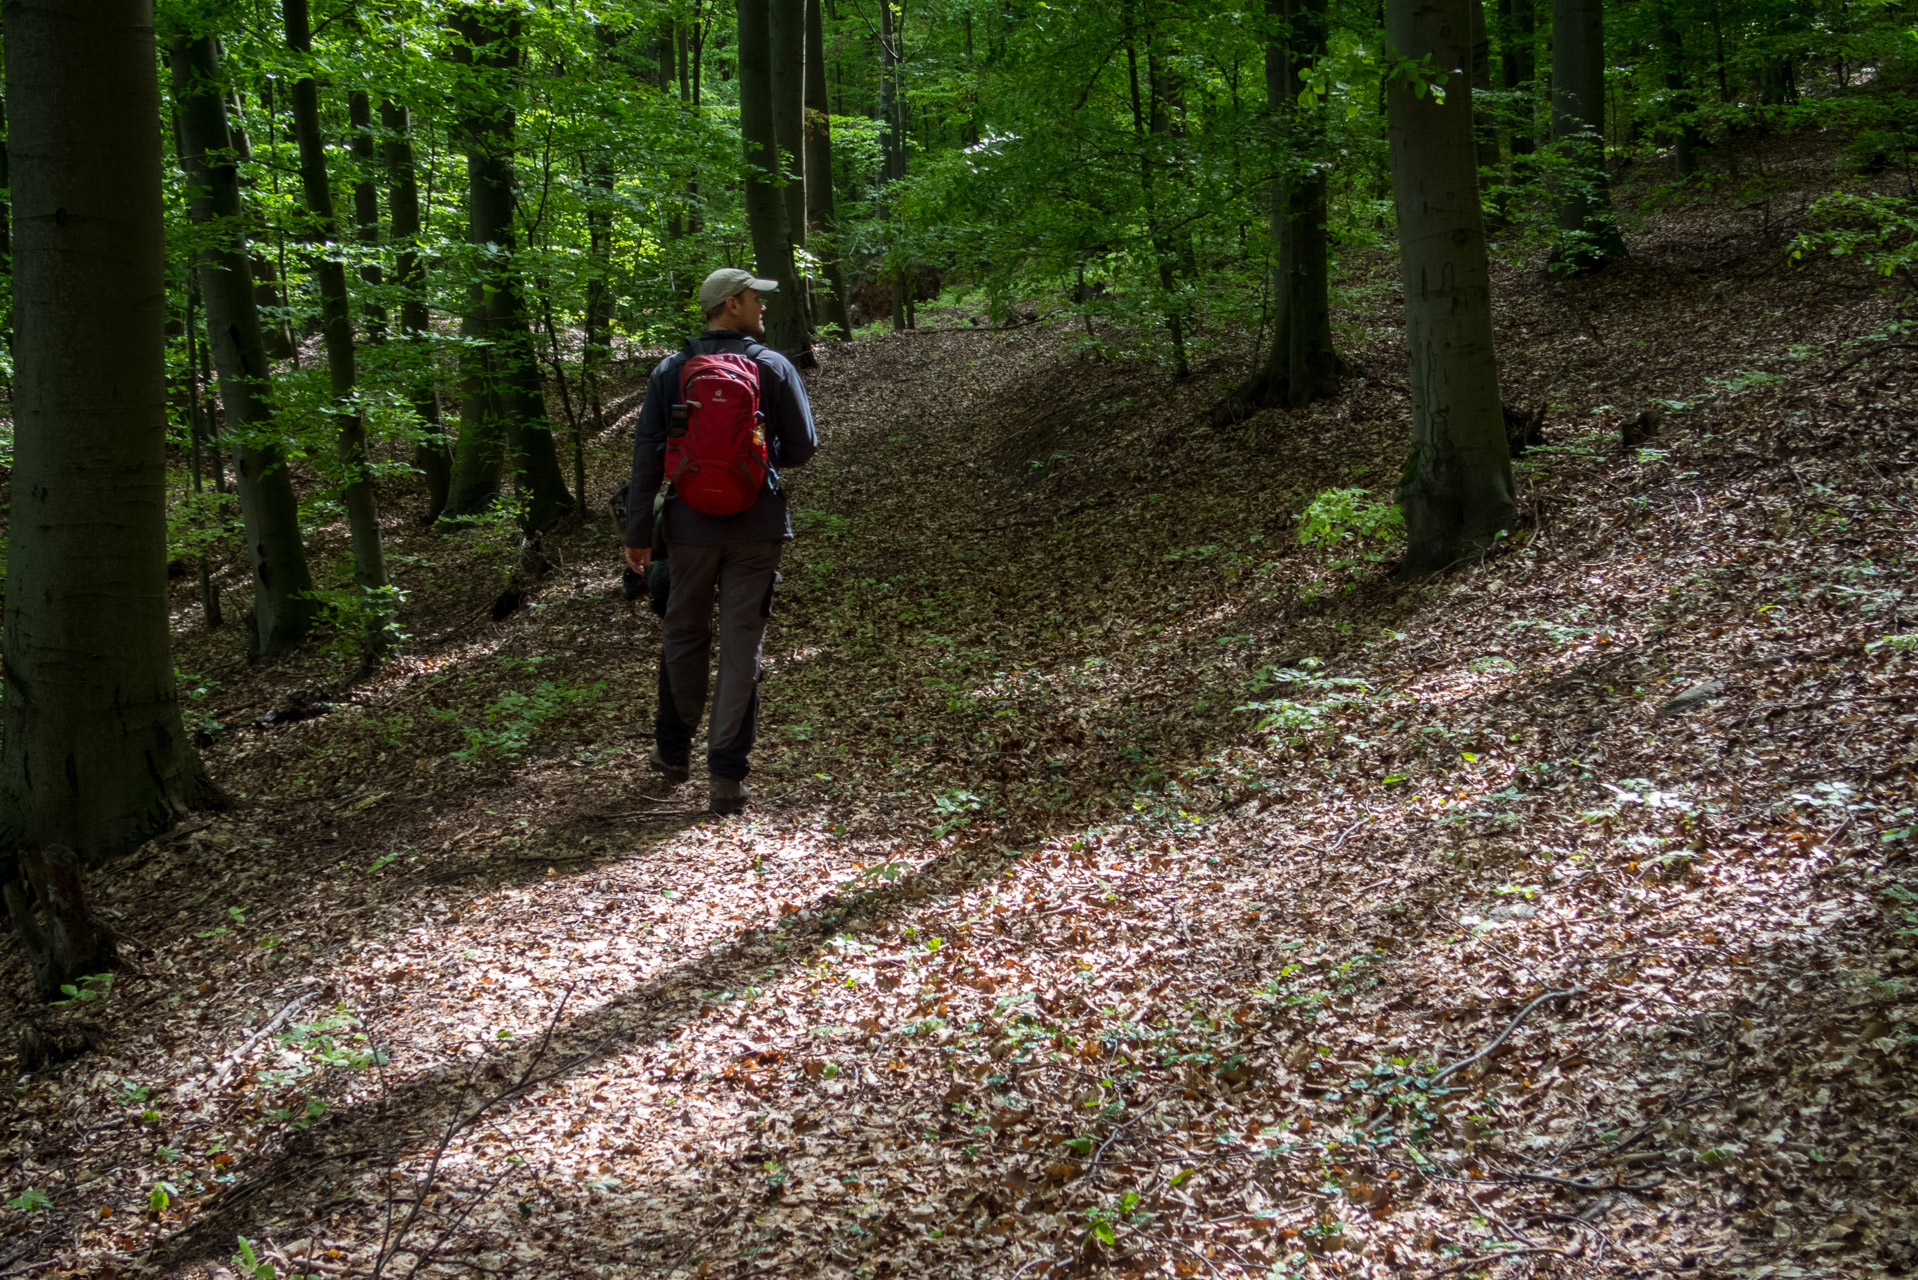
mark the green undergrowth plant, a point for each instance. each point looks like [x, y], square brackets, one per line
[513, 721]
[1308, 698]
[1880, 231]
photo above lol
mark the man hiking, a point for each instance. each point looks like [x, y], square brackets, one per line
[722, 419]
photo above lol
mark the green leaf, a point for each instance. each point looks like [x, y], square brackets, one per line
[31, 1200]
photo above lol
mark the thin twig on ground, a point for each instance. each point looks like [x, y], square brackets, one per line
[234, 1059]
[1457, 1067]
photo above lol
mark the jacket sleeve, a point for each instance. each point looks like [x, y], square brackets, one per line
[649, 457]
[789, 424]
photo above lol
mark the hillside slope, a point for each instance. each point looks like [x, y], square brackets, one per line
[1124, 872]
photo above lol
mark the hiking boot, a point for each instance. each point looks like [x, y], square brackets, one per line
[673, 773]
[728, 795]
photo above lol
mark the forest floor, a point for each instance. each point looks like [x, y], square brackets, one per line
[1130, 889]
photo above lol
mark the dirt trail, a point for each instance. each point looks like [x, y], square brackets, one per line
[1123, 872]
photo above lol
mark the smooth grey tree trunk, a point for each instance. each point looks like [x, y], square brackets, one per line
[366, 212]
[1456, 490]
[1671, 57]
[1302, 365]
[1484, 128]
[516, 430]
[1587, 226]
[431, 455]
[95, 759]
[765, 204]
[597, 341]
[1518, 65]
[266, 281]
[819, 194]
[786, 28]
[1161, 250]
[336, 319]
[891, 154]
[283, 606]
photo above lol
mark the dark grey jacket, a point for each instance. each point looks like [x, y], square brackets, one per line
[790, 439]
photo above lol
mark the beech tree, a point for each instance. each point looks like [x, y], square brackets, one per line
[1585, 219]
[1303, 364]
[504, 418]
[820, 208]
[431, 456]
[765, 202]
[1456, 489]
[356, 481]
[283, 605]
[95, 759]
[786, 29]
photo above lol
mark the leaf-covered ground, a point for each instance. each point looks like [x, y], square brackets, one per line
[1131, 890]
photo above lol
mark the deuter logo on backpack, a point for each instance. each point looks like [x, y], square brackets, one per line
[716, 456]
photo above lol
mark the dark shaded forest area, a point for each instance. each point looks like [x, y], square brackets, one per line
[1342, 702]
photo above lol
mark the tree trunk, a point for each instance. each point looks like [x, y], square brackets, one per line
[890, 157]
[819, 193]
[1303, 365]
[64, 941]
[93, 756]
[1484, 128]
[598, 339]
[274, 325]
[431, 455]
[1518, 65]
[1456, 490]
[480, 458]
[366, 213]
[765, 203]
[787, 31]
[1588, 229]
[514, 386]
[336, 318]
[1174, 323]
[1671, 55]
[197, 426]
[283, 607]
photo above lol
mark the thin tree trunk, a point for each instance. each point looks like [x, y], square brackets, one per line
[819, 192]
[1671, 55]
[431, 455]
[765, 204]
[366, 213]
[275, 326]
[93, 755]
[787, 32]
[1518, 64]
[6, 229]
[1303, 364]
[1587, 226]
[891, 154]
[566, 403]
[597, 345]
[513, 383]
[283, 606]
[356, 477]
[1456, 490]
[197, 426]
[1484, 128]
[1174, 324]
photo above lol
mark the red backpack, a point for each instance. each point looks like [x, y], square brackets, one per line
[716, 456]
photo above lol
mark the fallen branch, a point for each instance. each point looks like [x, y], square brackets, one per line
[1484, 1258]
[393, 1243]
[1504, 1035]
[233, 1060]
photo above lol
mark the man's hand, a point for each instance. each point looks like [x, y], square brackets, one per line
[637, 558]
